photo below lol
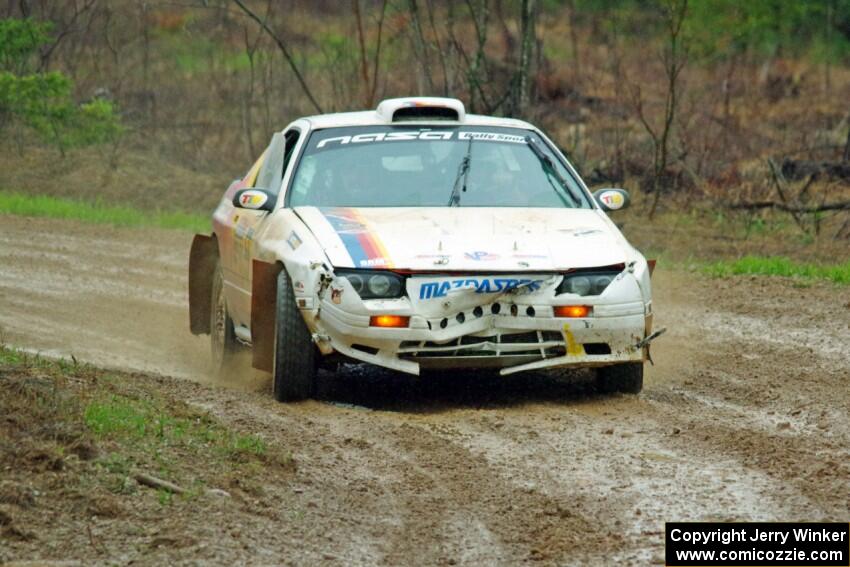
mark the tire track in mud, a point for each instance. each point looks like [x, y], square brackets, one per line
[746, 416]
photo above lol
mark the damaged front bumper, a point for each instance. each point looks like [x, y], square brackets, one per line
[516, 337]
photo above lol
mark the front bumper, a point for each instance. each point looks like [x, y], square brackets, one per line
[520, 335]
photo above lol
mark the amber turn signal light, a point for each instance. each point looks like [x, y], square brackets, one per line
[572, 311]
[391, 321]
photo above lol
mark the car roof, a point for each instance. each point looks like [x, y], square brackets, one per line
[373, 118]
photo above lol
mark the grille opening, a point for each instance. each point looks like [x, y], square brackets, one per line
[529, 340]
[495, 308]
[514, 310]
[552, 336]
[444, 323]
[530, 337]
[460, 317]
[530, 311]
[366, 349]
[478, 312]
[409, 344]
[597, 348]
[424, 113]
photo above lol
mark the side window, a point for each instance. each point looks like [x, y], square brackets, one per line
[271, 172]
[291, 141]
[251, 177]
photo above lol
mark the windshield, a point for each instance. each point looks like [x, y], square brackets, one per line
[393, 166]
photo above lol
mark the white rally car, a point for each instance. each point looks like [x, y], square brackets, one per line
[417, 236]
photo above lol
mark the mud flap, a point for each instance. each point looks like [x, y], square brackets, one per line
[201, 265]
[263, 313]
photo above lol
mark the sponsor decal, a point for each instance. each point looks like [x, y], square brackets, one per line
[244, 241]
[531, 256]
[293, 240]
[481, 256]
[613, 199]
[431, 135]
[573, 348]
[253, 199]
[372, 262]
[336, 295]
[441, 288]
[363, 245]
[439, 259]
[299, 285]
[492, 137]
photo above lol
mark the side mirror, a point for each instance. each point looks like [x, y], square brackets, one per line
[612, 199]
[254, 199]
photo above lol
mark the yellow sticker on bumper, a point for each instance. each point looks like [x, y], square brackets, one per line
[573, 348]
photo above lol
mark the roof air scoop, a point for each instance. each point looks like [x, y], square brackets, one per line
[413, 109]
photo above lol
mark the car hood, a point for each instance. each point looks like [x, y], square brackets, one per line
[466, 239]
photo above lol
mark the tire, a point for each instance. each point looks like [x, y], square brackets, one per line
[626, 378]
[294, 352]
[223, 344]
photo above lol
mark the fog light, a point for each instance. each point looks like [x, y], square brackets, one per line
[572, 311]
[392, 321]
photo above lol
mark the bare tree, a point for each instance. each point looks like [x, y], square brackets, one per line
[441, 51]
[286, 53]
[370, 86]
[576, 73]
[423, 77]
[475, 66]
[248, 100]
[364, 67]
[674, 58]
[528, 15]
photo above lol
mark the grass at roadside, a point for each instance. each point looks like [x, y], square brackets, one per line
[780, 266]
[29, 205]
[100, 429]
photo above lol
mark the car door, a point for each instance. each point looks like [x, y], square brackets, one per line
[225, 221]
[245, 224]
[249, 223]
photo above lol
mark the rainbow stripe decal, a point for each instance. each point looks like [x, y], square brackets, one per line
[363, 245]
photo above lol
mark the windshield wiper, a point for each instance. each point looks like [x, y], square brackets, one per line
[550, 170]
[462, 173]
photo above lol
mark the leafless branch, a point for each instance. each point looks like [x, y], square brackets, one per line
[836, 206]
[376, 66]
[286, 53]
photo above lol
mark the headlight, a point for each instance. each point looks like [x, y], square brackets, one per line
[586, 283]
[371, 284]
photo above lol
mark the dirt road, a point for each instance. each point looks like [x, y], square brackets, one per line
[746, 416]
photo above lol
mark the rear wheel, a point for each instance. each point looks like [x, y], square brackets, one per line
[294, 352]
[223, 345]
[626, 378]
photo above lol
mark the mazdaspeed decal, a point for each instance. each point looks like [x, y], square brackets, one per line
[252, 199]
[363, 245]
[441, 288]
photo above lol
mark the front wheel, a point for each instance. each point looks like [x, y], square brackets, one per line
[294, 352]
[626, 378]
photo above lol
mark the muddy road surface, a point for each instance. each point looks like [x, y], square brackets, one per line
[745, 416]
